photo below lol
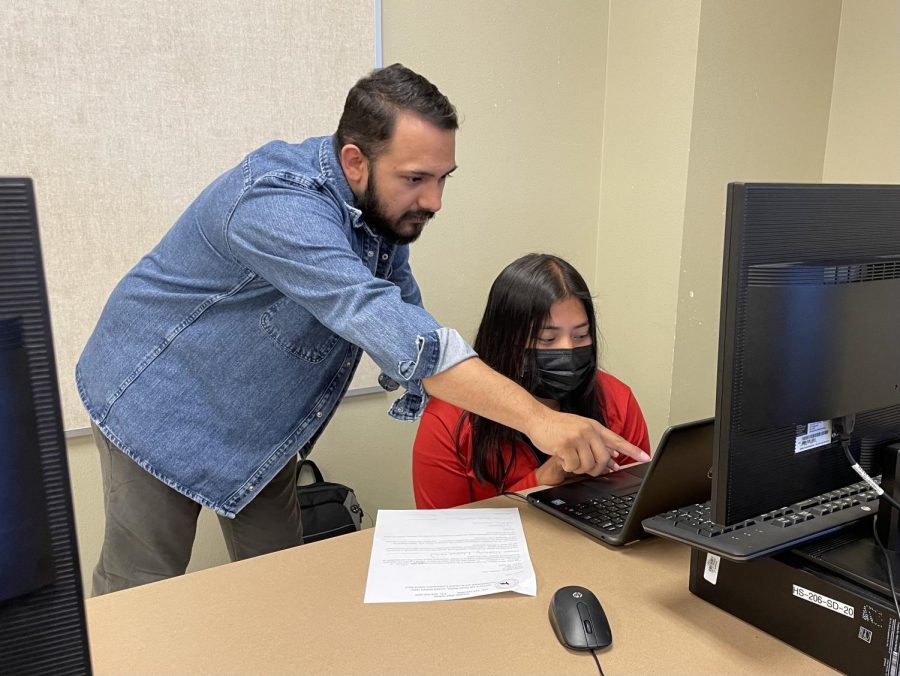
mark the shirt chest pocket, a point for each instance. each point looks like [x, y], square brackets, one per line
[296, 331]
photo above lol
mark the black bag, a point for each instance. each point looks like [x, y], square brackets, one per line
[326, 509]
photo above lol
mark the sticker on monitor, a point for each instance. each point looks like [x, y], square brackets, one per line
[813, 435]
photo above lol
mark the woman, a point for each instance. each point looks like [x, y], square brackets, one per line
[538, 329]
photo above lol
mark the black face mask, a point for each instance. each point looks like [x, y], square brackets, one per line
[561, 372]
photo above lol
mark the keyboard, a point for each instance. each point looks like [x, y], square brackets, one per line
[767, 533]
[607, 513]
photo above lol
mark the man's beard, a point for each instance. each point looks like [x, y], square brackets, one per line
[375, 218]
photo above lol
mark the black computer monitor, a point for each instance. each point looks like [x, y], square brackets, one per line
[809, 334]
[42, 626]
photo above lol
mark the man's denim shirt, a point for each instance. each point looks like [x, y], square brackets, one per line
[226, 349]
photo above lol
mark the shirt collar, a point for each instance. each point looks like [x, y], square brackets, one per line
[331, 167]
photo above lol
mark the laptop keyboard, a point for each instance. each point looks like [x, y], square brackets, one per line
[607, 514]
[766, 533]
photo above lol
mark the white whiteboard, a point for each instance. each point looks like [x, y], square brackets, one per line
[122, 112]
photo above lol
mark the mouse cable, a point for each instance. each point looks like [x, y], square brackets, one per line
[518, 496]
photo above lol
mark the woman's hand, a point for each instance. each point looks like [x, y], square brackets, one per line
[551, 472]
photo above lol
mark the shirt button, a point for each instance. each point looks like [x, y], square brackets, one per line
[251, 488]
[370, 253]
[384, 257]
[318, 414]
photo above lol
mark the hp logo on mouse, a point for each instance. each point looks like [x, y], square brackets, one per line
[577, 595]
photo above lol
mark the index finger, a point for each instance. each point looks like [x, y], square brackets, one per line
[629, 449]
[614, 442]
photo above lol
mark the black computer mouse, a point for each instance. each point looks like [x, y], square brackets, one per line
[578, 619]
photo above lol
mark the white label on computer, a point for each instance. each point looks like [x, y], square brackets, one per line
[812, 436]
[824, 601]
[711, 570]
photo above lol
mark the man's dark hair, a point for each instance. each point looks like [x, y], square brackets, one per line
[370, 111]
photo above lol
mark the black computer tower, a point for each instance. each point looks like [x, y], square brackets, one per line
[829, 617]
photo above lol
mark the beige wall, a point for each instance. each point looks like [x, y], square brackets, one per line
[760, 113]
[527, 79]
[606, 132]
[864, 125]
[646, 150]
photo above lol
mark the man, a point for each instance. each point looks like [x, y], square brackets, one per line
[225, 351]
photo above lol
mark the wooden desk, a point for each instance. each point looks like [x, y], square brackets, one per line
[301, 611]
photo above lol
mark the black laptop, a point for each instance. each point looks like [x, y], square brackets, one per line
[611, 507]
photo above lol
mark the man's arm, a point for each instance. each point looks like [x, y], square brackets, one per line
[583, 445]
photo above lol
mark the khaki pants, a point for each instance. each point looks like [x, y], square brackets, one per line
[150, 527]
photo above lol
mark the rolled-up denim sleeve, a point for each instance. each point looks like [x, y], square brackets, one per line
[295, 238]
[445, 348]
[452, 349]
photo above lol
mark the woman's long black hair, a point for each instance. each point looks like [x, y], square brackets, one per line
[518, 305]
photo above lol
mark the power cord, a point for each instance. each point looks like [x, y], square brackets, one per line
[517, 496]
[845, 425]
[887, 563]
[847, 428]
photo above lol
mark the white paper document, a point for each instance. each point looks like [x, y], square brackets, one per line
[440, 554]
